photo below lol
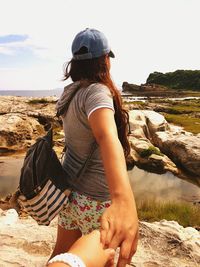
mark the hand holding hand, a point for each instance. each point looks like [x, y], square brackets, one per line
[90, 250]
[119, 228]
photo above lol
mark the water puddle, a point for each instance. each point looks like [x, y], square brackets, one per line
[144, 184]
[165, 187]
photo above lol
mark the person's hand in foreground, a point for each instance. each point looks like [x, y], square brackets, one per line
[119, 228]
[89, 249]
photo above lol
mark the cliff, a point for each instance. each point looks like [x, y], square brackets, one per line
[179, 79]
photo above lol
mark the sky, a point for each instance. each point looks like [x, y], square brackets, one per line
[145, 36]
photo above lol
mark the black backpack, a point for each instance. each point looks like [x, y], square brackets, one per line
[43, 182]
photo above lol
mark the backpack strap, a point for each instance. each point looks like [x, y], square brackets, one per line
[85, 165]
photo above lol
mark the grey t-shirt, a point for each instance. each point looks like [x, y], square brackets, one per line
[80, 139]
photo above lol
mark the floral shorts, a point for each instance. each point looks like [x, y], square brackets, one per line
[82, 212]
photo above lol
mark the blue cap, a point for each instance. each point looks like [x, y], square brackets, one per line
[94, 42]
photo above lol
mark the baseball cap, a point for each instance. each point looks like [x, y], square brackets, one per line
[94, 42]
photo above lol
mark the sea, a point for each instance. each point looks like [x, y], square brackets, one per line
[32, 93]
[58, 91]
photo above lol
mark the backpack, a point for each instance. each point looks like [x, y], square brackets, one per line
[43, 183]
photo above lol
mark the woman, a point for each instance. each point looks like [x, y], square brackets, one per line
[95, 123]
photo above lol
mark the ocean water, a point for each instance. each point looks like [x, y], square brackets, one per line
[32, 93]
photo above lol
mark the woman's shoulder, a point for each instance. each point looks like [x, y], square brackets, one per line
[98, 88]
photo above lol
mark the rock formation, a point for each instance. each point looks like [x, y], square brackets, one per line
[156, 145]
[22, 120]
[164, 243]
[174, 146]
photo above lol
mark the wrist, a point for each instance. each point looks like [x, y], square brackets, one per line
[70, 259]
[125, 196]
[83, 256]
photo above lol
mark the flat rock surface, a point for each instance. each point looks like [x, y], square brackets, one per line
[25, 244]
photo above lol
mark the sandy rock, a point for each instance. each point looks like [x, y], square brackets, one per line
[17, 130]
[15, 104]
[24, 243]
[143, 125]
[155, 121]
[164, 243]
[9, 217]
[182, 148]
[138, 124]
[23, 119]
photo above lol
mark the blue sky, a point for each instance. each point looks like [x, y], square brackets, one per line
[15, 53]
[12, 38]
[145, 35]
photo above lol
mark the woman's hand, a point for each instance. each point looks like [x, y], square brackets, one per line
[119, 228]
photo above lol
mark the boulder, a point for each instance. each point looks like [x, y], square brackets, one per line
[18, 130]
[23, 119]
[183, 149]
[180, 148]
[143, 125]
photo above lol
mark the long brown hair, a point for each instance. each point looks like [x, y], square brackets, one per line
[97, 70]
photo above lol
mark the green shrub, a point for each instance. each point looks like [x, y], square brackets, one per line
[179, 79]
[38, 101]
[190, 124]
[149, 151]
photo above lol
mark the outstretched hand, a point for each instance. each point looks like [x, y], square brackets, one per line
[119, 228]
[91, 251]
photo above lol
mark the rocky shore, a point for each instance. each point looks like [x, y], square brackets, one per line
[164, 243]
[157, 146]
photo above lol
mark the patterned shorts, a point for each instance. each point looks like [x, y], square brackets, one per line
[82, 212]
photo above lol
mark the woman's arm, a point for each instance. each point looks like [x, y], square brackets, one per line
[119, 222]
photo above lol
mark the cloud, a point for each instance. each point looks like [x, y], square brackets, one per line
[13, 38]
[18, 47]
[10, 43]
[6, 51]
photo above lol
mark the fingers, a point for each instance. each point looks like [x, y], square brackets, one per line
[110, 254]
[110, 261]
[124, 255]
[127, 250]
[110, 234]
[104, 229]
[134, 245]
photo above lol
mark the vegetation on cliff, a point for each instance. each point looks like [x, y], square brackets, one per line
[179, 79]
[184, 213]
[185, 113]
